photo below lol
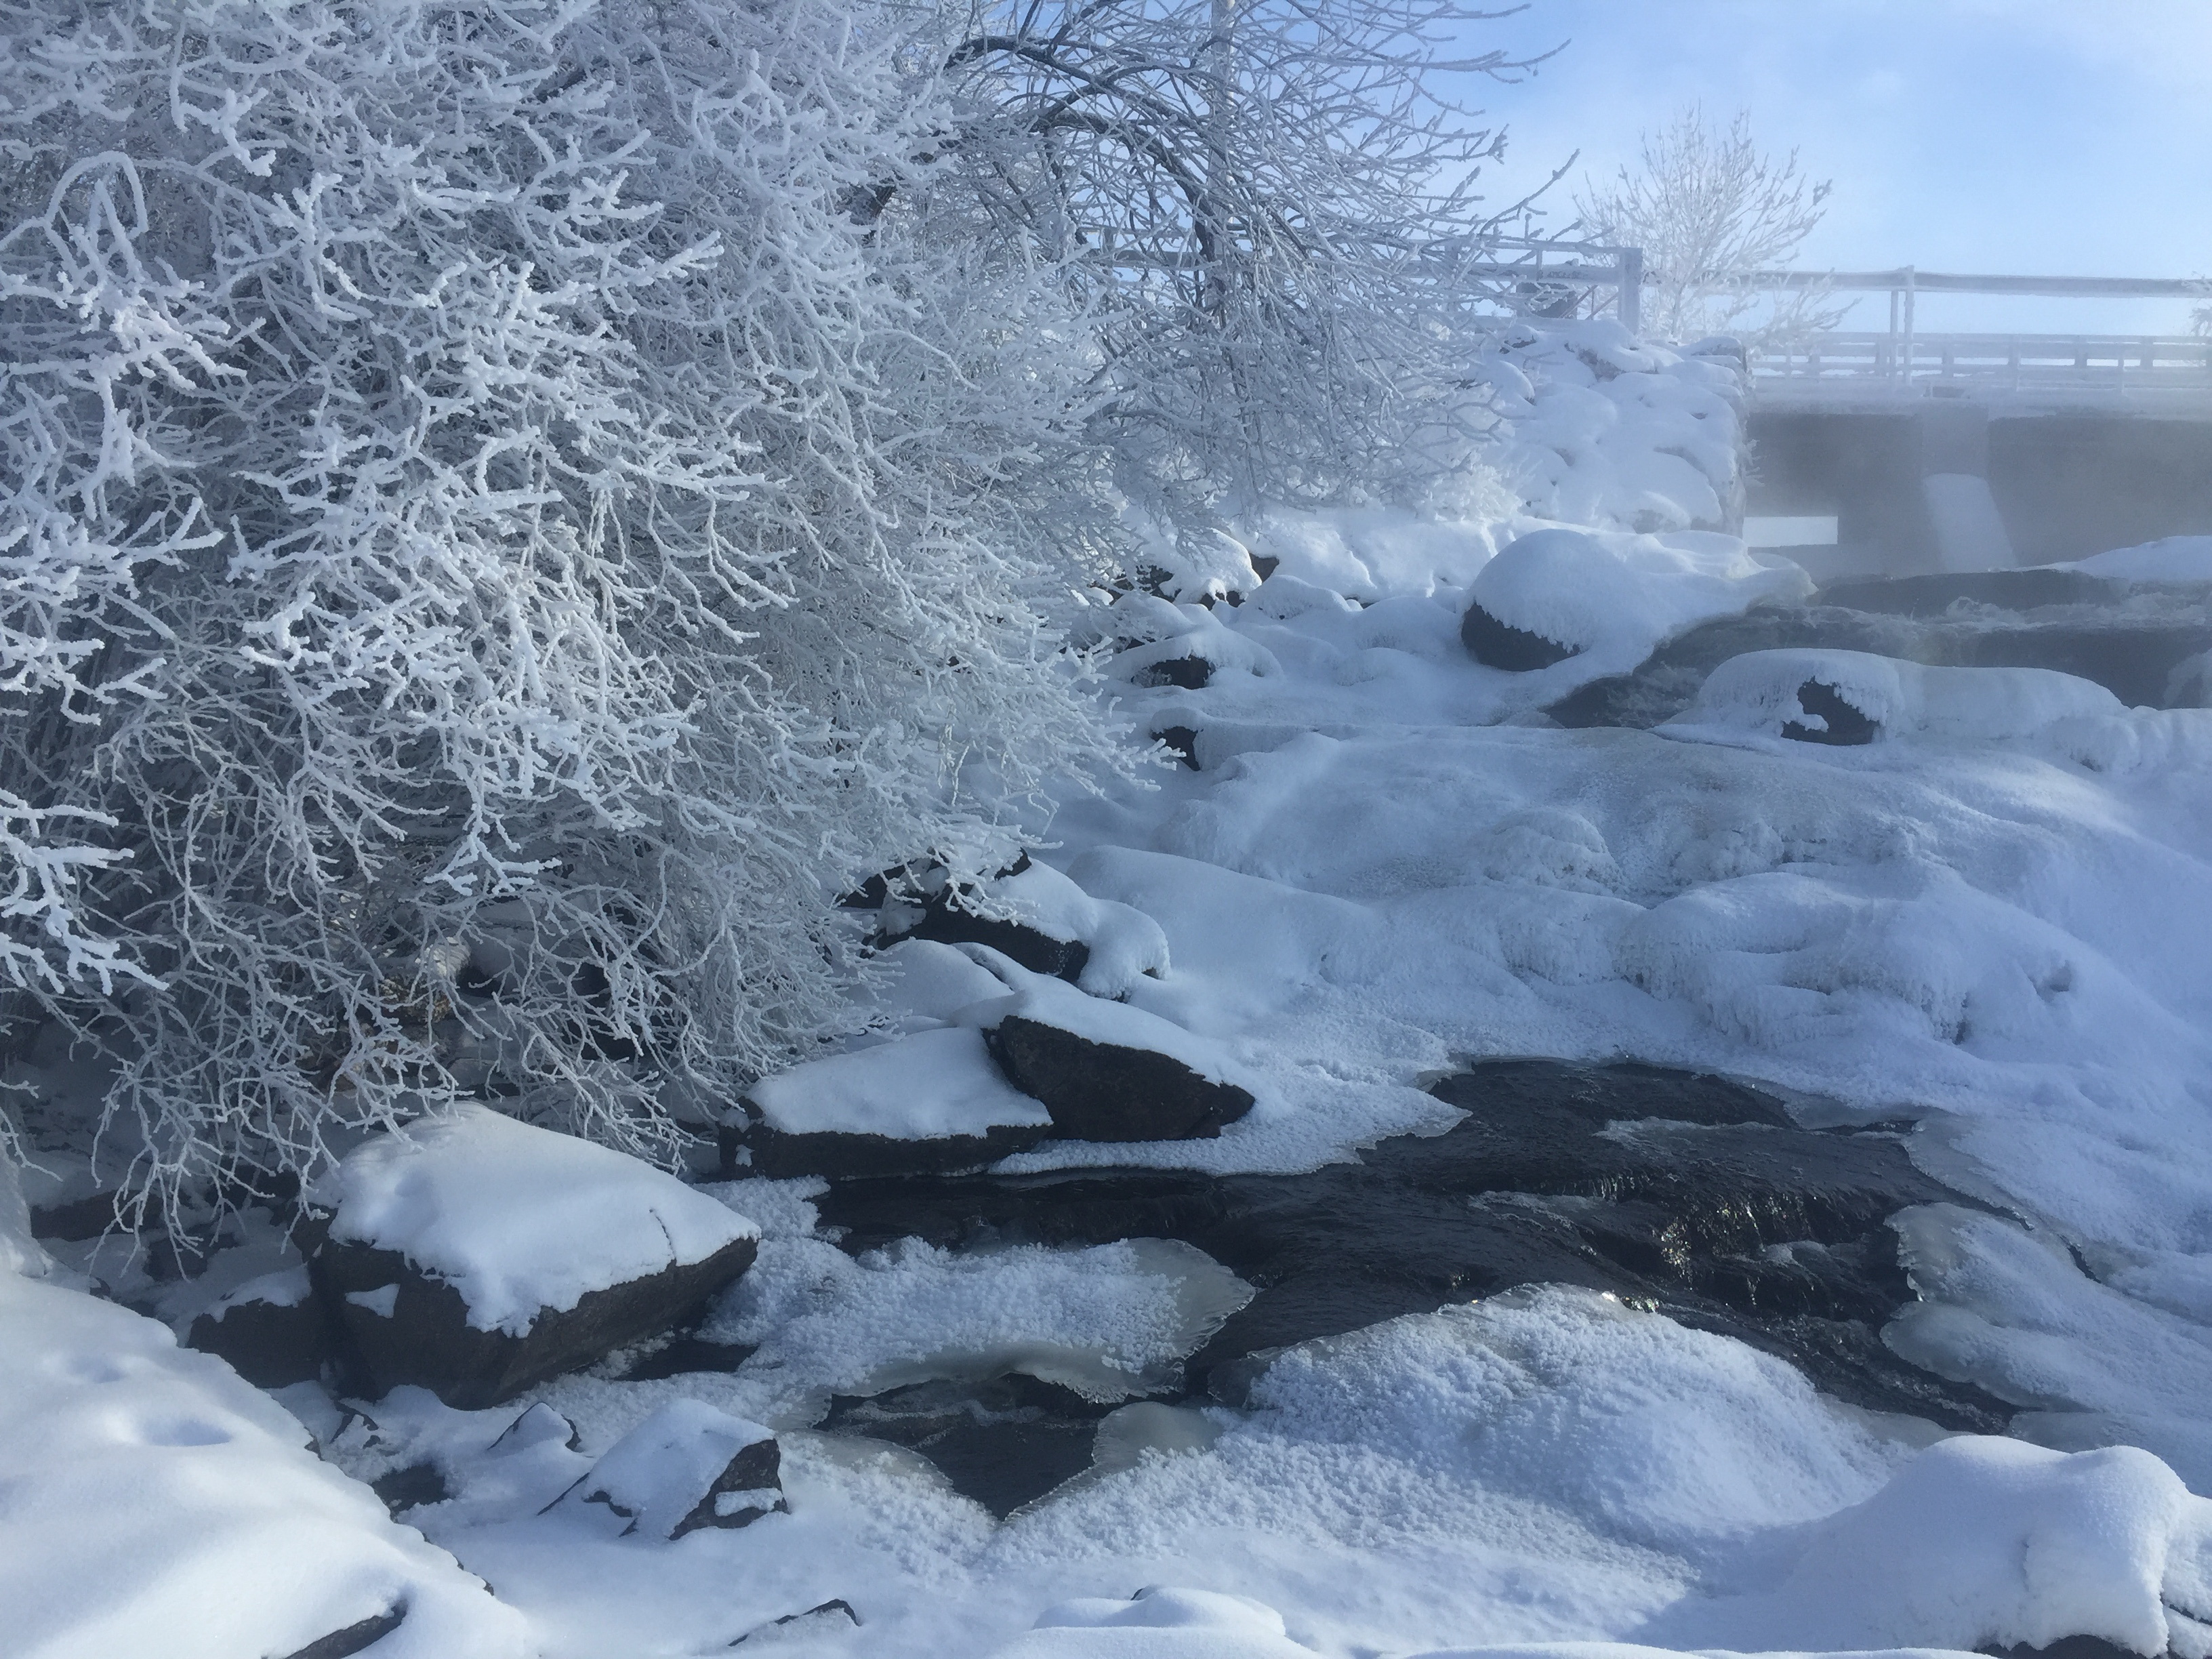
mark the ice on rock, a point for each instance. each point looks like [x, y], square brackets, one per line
[1110, 1321]
[154, 1504]
[1610, 598]
[1980, 1542]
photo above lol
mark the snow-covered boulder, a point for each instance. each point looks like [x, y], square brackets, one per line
[926, 1103]
[687, 1466]
[475, 1255]
[1983, 1544]
[1045, 923]
[1106, 1070]
[154, 1504]
[2176, 561]
[273, 1330]
[1854, 697]
[1613, 598]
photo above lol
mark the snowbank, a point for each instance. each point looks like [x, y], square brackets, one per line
[156, 1504]
[2183, 560]
[518, 1219]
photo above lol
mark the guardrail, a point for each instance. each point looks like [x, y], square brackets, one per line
[2022, 363]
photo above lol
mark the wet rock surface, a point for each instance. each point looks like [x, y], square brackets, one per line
[1004, 1443]
[2134, 643]
[1688, 1194]
[1498, 644]
[1098, 1090]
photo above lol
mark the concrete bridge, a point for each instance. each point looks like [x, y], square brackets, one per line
[1961, 451]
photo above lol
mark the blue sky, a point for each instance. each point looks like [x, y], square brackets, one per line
[2058, 136]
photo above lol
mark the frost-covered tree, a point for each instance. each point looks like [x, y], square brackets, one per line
[490, 541]
[1263, 203]
[1708, 207]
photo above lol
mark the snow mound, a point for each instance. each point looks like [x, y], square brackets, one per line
[920, 983]
[1158, 1623]
[519, 1219]
[925, 1087]
[2182, 560]
[1053, 1002]
[1109, 1322]
[156, 1503]
[1760, 691]
[1615, 598]
[1980, 1541]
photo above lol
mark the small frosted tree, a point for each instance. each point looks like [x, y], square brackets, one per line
[1708, 208]
[491, 542]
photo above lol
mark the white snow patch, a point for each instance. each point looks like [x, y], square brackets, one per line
[2185, 560]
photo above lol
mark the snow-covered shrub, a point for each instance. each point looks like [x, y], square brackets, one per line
[483, 513]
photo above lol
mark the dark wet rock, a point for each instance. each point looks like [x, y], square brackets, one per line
[682, 1355]
[74, 1220]
[1004, 1444]
[2066, 1647]
[843, 1156]
[1184, 740]
[1688, 1194]
[1185, 673]
[403, 1325]
[353, 1638]
[1841, 723]
[416, 1484]
[824, 1620]
[1497, 644]
[273, 1332]
[1102, 1090]
[686, 1468]
[2130, 644]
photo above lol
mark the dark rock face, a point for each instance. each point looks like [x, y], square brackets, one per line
[1184, 740]
[1844, 725]
[344, 1643]
[841, 1157]
[2129, 644]
[426, 1338]
[1186, 674]
[1712, 1208]
[1104, 1091]
[945, 919]
[268, 1344]
[1004, 1444]
[1496, 644]
[824, 1619]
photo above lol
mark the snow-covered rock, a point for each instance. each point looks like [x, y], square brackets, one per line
[1163, 1622]
[1854, 697]
[1106, 1070]
[687, 1466]
[2184, 561]
[1045, 923]
[930, 1102]
[475, 1255]
[1612, 598]
[154, 1504]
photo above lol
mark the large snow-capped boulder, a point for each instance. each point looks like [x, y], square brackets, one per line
[156, 1503]
[927, 1103]
[686, 1467]
[1106, 1070]
[475, 1255]
[1611, 599]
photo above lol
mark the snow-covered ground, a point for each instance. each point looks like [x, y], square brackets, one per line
[1991, 921]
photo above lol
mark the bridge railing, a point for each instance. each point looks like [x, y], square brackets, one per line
[2022, 363]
